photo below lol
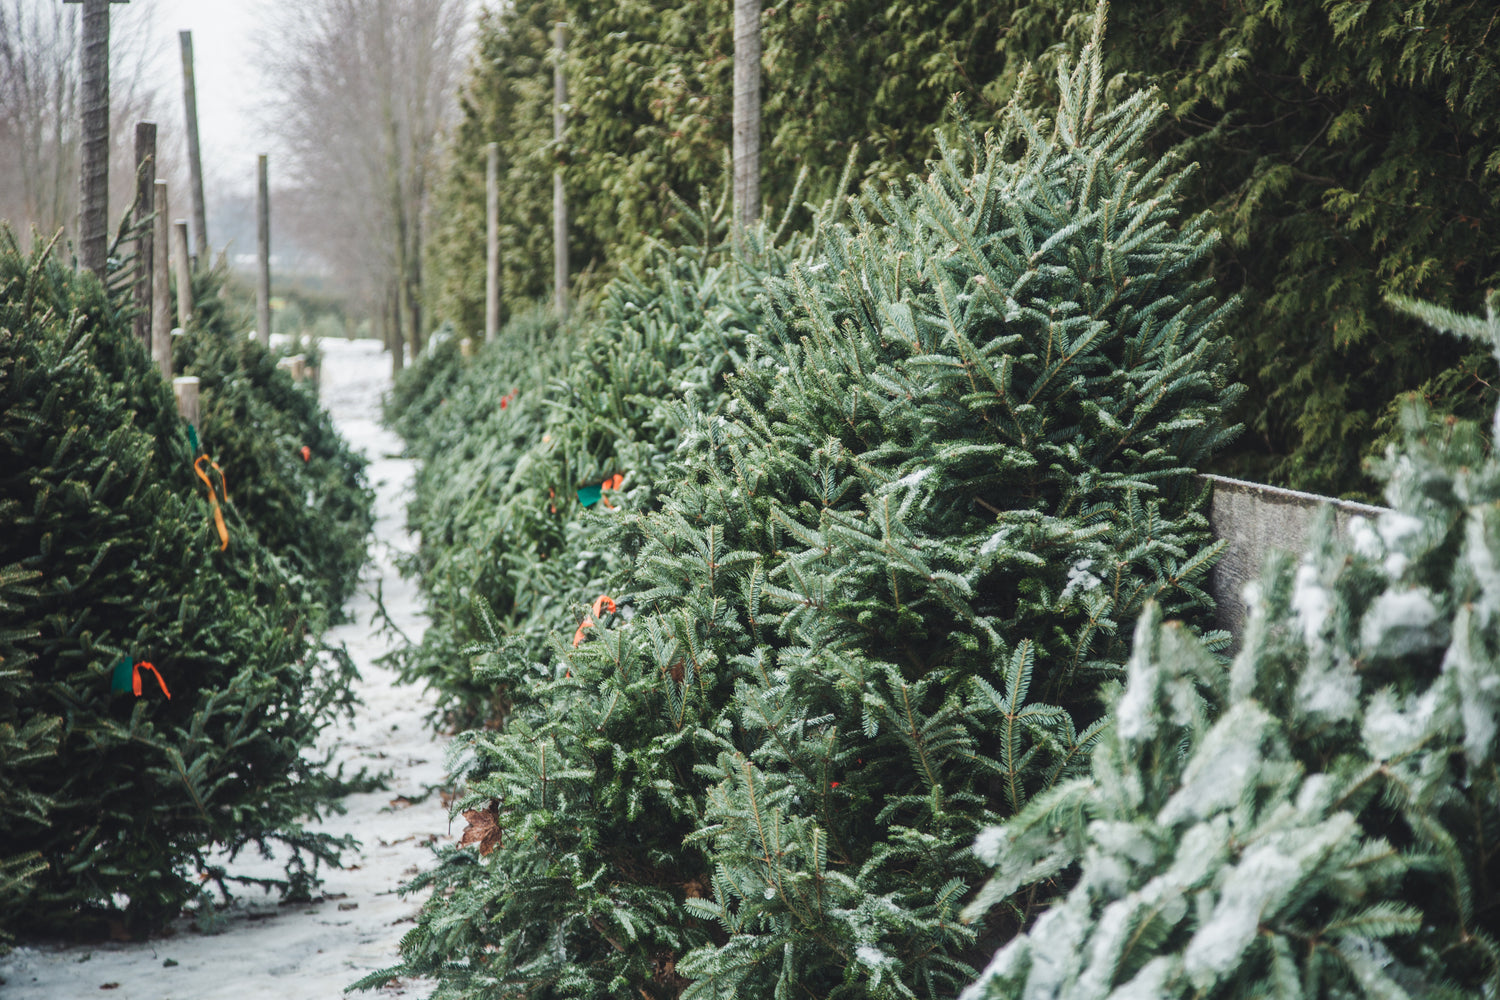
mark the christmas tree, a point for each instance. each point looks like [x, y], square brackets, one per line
[1320, 819]
[163, 690]
[868, 602]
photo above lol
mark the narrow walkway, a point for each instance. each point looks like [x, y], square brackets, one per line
[262, 951]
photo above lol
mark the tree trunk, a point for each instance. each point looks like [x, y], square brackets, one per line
[746, 115]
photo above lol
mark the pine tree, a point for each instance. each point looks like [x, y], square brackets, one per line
[1319, 820]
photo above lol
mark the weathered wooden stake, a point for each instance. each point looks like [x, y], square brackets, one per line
[195, 157]
[492, 243]
[161, 285]
[263, 240]
[93, 173]
[746, 115]
[145, 199]
[559, 202]
[184, 273]
[185, 388]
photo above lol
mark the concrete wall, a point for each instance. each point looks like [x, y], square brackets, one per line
[1255, 519]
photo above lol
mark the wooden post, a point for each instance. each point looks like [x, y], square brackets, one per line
[559, 202]
[195, 157]
[93, 173]
[492, 243]
[184, 273]
[185, 388]
[746, 115]
[145, 200]
[263, 240]
[161, 283]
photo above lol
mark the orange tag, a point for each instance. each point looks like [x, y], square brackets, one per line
[135, 680]
[306, 453]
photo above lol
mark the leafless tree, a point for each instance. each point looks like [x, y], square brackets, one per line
[40, 110]
[362, 89]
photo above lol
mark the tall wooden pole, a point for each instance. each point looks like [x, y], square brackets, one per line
[183, 261]
[195, 157]
[161, 283]
[93, 175]
[145, 203]
[263, 241]
[559, 202]
[492, 243]
[746, 114]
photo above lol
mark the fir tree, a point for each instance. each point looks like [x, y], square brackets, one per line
[115, 797]
[870, 591]
[1320, 820]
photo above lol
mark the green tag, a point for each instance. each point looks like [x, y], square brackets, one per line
[193, 439]
[123, 678]
[589, 495]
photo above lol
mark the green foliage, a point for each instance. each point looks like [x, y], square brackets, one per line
[889, 492]
[1320, 820]
[313, 514]
[111, 804]
[1350, 149]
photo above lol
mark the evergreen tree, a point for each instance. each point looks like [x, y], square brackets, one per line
[1319, 820]
[162, 690]
[866, 602]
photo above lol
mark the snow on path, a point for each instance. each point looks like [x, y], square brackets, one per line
[308, 951]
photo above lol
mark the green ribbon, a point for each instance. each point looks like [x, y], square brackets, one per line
[122, 678]
[193, 439]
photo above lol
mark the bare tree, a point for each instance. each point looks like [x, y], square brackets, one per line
[40, 109]
[362, 89]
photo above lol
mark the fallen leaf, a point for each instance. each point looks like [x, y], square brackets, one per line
[483, 829]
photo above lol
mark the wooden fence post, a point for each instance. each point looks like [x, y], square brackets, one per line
[161, 299]
[263, 240]
[93, 172]
[145, 200]
[184, 273]
[185, 388]
[492, 242]
[746, 154]
[195, 157]
[559, 201]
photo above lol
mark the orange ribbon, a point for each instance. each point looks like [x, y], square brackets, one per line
[602, 604]
[135, 679]
[213, 498]
[306, 454]
[612, 483]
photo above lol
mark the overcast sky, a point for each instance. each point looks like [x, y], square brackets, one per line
[227, 84]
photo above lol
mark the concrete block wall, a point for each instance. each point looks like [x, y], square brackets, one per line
[1254, 519]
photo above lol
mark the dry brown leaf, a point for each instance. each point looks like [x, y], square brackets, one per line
[483, 829]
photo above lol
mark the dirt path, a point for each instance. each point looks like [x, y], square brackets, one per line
[307, 952]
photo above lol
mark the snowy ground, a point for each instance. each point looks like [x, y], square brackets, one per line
[309, 951]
